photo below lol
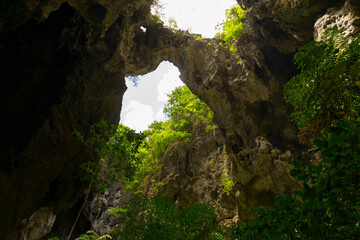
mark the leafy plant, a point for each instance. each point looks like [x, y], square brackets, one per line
[232, 28]
[328, 207]
[328, 86]
[186, 112]
[158, 218]
[113, 153]
[91, 235]
[158, 140]
[173, 23]
[227, 183]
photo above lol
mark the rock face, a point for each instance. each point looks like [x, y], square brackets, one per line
[346, 19]
[63, 64]
[97, 211]
[61, 70]
[201, 171]
[39, 224]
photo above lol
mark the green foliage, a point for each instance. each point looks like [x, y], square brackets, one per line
[173, 23]
[157, 141]
[91, 235]
[328, 86]
[158, 218]
[232, 28]
[186, 112]
[53, 238]
[198, 38]
[328, 207]
[227, 183]
[156, 18]
[135, 157]
[114, 155]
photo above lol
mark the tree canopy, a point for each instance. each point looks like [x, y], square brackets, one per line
[327, 88]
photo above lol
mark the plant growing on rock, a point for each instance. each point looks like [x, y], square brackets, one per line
[328, 87]
[91, 235]
[186, 112]
[227, 183]
[232, 28]
[113, 153]
[328, 207]
[158, 218]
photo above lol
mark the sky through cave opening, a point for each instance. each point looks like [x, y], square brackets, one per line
[144, 103]
[199, 16]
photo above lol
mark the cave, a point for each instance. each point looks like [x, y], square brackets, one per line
[63, 68]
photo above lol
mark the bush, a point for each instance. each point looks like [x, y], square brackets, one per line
[328, 86]
[186, 112]
[113, 152]
[232, 27]
[328, 207]
[158, 218]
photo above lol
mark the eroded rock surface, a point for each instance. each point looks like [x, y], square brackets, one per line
[60, 72]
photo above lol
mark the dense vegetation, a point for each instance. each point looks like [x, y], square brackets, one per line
[134, 158]
[232, 28]
[328, 207]
[186, 114]
[326, 98]
[114, 154]
[327, 88]
[158, 218]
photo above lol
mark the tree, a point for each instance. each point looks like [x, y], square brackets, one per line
[232, 27]
[158, 218]
[113, 153]
[328, 207]
[185, 112]
[328, 87]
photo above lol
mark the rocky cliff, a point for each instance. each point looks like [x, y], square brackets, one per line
[63, 64]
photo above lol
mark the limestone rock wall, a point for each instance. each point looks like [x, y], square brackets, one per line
[198, 171]
[62, 68]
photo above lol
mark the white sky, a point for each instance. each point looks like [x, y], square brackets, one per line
[144, 104]
[201, 16]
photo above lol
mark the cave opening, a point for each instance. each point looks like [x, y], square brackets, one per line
[146, 96]
[199, 17]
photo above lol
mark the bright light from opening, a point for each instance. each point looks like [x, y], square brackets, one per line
[200, 16]
[144, 103]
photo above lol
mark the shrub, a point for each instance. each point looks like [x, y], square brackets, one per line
[158, 218]
[328, 87]
[328, 207]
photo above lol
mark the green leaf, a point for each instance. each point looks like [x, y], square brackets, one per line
[297, 164]
[295, 172]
